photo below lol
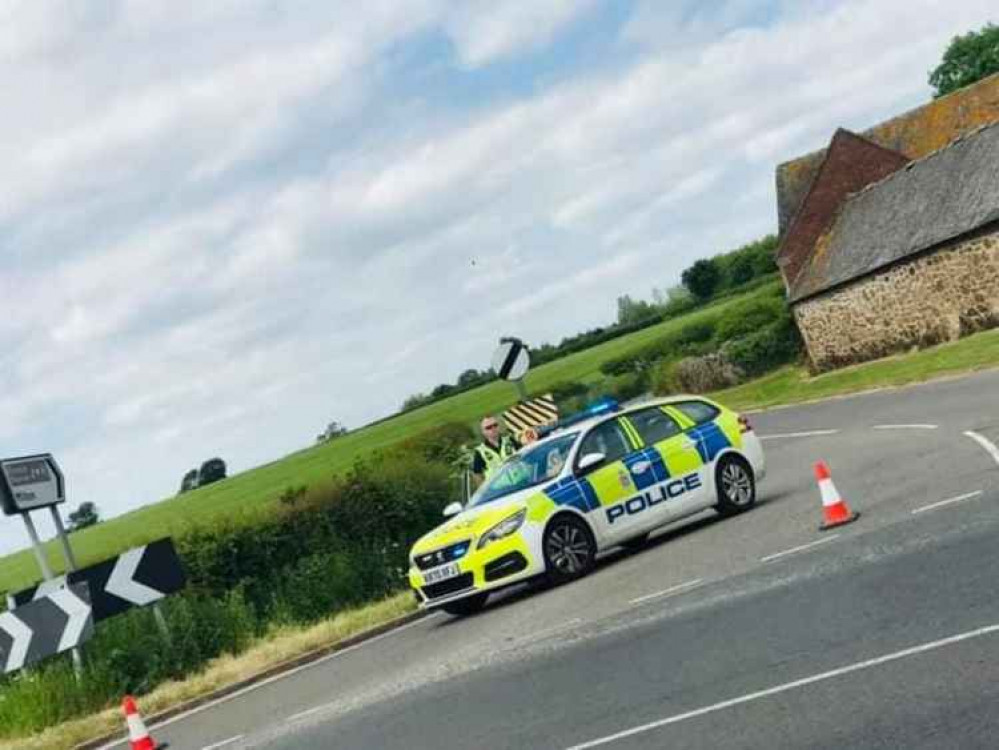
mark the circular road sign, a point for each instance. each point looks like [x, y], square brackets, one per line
[511, 359]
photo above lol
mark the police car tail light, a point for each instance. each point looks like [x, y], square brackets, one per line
[744, 425]
[504, 528]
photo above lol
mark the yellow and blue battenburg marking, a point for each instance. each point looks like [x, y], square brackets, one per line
[710, 440]
[657, 471]
[575, 492]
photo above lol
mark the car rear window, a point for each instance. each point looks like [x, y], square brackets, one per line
[698, 411]
[654, 425]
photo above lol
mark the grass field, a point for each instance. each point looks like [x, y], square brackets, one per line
[254, 491]
[242, 496]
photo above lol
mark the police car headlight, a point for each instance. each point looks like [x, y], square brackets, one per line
[503, 529]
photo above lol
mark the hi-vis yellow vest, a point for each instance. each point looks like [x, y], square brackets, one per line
[494, 458]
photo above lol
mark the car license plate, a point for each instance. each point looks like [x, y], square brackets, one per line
[442, 573]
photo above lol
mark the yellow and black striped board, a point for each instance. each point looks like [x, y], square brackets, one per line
[530, 414]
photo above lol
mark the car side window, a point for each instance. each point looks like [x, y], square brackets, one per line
[609, 439]
[654, 425]
[698, 411]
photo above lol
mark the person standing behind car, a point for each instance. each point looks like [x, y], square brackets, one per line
[494, 449]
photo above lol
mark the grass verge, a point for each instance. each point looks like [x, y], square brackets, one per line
[791, 385]
[277, 647]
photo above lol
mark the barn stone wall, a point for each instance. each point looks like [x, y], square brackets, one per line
[936, 297]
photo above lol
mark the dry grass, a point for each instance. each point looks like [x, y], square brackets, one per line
[280, 645]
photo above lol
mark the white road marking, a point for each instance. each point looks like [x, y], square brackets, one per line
[812, 433]
[223, 743]
[951, 501]
[803, 547]
[275, 678]
[905, 427]
[987, 444]
[672, 590]
[988, 630]
[308, 712]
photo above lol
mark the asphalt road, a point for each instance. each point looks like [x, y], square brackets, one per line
[739, 621]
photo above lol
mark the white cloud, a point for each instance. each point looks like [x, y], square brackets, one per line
[485, 31]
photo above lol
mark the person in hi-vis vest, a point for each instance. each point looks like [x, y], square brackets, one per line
[494, 449]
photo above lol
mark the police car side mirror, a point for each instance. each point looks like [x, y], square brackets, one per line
[589, 462]
[452, 510]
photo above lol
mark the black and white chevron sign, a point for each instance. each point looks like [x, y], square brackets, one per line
[52, 624]
[141, 576]
[511, 360]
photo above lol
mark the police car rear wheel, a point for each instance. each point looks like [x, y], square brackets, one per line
[570, 549]
[736, 486]
[467, 606]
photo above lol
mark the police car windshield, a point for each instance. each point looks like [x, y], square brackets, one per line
[542, 463]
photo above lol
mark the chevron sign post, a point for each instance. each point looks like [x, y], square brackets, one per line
[50, 625]
[136, 578]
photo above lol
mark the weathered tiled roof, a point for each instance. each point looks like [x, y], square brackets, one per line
[851, 163]
[916, 134]
[936, 199]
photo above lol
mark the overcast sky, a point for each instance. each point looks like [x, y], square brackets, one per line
[224, 224]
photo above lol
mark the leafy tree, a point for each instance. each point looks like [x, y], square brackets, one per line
[333, 430]
[764, 255]
[444, 389]
[189, 482]
[415, 401]
[631, 311]
[469, 377]
[702, 278]
[968, 58]
[211, 470]
[740, 270]
[84, 516]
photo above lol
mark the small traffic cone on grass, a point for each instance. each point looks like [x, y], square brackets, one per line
[835, 511]
[138, 735]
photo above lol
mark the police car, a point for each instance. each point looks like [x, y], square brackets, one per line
[604, 478]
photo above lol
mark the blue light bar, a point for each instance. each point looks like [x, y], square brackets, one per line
[606, 405]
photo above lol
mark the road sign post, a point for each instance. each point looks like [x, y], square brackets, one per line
[36, 546]
[67, 551]
[161, 623]
[511, 361]
[28, 483]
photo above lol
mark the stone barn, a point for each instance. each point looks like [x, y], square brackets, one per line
[890, 238]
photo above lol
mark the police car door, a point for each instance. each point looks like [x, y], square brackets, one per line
[611, 480]
[705, 440]
[673, 469]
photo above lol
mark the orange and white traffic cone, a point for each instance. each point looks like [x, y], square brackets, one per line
[138, 735]
[835, 511]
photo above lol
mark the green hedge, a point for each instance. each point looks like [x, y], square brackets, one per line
[749, 317]
[693, 338]
[768, 348]
[360, 527]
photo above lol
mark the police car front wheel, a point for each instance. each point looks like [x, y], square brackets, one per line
[736, 485]
[570, 549]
